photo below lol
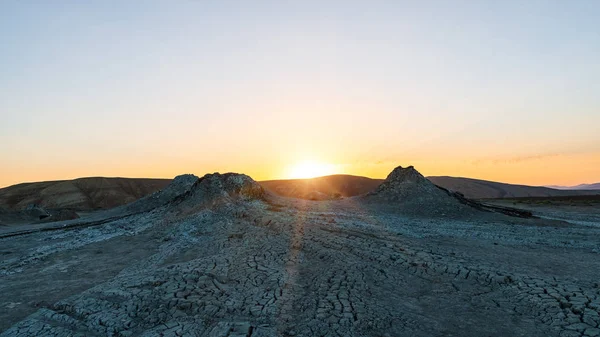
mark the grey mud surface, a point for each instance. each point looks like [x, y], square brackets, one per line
[302, 268]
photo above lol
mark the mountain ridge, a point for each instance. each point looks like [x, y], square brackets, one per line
[592, 186]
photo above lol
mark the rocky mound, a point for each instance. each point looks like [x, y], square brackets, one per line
[217, 190]
[407, 185]
[187, 192]
[409, 191]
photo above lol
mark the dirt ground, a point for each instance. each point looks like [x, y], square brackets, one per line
[287, 267]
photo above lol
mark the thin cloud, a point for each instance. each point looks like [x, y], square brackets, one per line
[516, 159]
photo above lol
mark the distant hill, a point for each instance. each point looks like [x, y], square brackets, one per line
[342, 185]
[79, 194]
[595, 186]
[328, 187]
[483, 189]
[86, 194]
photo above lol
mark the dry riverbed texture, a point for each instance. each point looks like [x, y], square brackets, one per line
[219, 256]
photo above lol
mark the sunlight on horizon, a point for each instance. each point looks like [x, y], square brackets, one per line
[495, 90]
[311, 169]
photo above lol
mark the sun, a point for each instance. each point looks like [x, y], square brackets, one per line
[310, 169]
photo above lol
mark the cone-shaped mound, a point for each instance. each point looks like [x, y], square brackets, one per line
[407, 184]
[407, 190]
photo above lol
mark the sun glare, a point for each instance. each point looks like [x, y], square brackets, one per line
[310, 169]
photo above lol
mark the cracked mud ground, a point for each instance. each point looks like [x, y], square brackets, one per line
[217, 261]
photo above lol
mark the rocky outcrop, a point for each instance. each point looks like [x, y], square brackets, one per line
[189, 192]
[218, 190]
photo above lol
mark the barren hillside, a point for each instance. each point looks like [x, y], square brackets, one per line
[79, 194]
[483, 189]
[328, 187]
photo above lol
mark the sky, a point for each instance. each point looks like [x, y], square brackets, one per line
[498, 90]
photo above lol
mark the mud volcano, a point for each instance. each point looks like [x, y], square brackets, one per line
[408, 191]
[187, 192]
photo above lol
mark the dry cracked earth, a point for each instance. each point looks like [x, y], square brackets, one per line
[219, 256]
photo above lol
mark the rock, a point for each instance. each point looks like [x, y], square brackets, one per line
[592, 332]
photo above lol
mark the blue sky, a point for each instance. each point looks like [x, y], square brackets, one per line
[158, 88]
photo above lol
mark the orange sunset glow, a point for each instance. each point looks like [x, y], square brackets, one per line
[276, 98]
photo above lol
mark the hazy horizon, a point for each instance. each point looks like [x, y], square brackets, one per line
[285, 178]
[501, 91]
